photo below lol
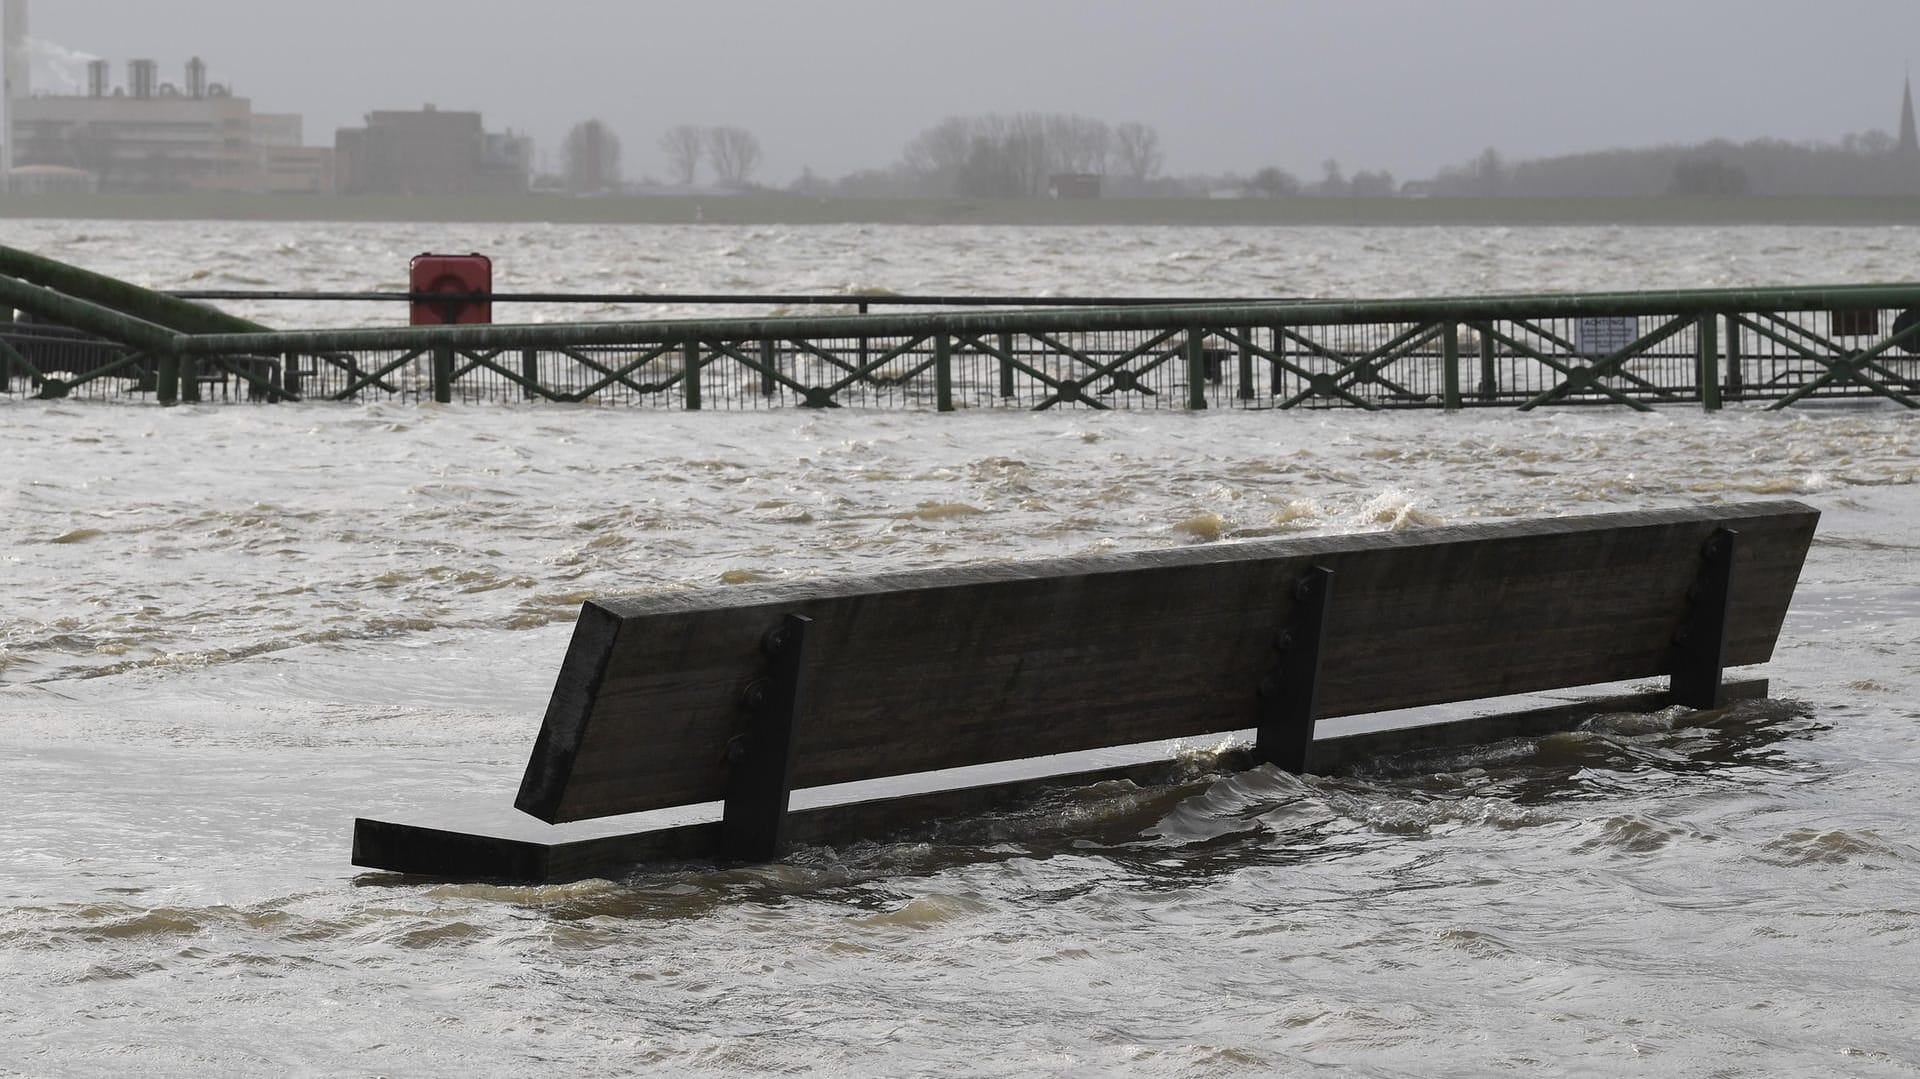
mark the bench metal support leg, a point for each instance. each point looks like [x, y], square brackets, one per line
[1700, 647]
[1289, 697]
[753, 824]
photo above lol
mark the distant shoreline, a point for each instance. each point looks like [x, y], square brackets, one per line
[775, 208]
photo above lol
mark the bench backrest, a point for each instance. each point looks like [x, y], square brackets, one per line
[921, 671]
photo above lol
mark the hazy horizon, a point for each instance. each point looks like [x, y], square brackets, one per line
[843, 85]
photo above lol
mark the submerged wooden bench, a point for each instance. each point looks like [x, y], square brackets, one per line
[741, 695]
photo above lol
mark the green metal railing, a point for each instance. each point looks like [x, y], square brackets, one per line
[1637, 349]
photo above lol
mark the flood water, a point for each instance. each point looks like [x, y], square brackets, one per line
[228, 629]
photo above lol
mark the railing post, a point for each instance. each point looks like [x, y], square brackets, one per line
[1450, 365]
[290, 373]
[864, 343]
[1006, 365]
[943, 372]
[6, 358]
[690, 374]
[768, 358]
[166, 386]
[1489, 372]
[529, 370]
[1245, 392]
[1736, 379]
[1274, 370]
[1196, 369]
[443, 374]
[190, 379]
[1707, 342]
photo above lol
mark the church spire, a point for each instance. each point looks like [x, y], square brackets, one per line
[1909, 142]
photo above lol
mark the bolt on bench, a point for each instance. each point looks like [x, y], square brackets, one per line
[740, 696]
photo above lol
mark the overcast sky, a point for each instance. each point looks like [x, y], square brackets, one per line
[839, 85]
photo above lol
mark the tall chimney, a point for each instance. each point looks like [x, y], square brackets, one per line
[196, 78]
[14, 79]
[19, 71]
[141, 77]
[97, 77]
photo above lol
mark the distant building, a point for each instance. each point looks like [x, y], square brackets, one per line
[430, 152]
[159, 136]
[52, 180]
[1074, 185]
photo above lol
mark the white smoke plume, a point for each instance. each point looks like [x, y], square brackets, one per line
[56, 69]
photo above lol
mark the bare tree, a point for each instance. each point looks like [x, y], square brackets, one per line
[939, 152]
[734, 152]
[1490, 172]
[987, 173]
[1371, 185]
[591, 158]
[1274, 183]
[1332, 180]
[1078, 144]
[1028, 155]
[1137, 150]
[1010, 155]
[683, 145]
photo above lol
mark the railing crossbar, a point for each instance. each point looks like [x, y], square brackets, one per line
[1848, 368]
[10, 354]
[1060, 392]
[1109, 369]
[754, 363]
[1356, 369]
[1578, 378]
[865, 370]
[486, 361]
[621, 376]
[1611, 363]
[354, 385]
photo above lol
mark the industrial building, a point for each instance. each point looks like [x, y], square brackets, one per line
[154, 135]
[148, 134]
[430, 152]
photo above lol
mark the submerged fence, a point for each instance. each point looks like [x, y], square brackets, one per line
[1698, 347]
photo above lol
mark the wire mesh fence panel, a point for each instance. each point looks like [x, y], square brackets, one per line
[54, 362]
[1357, 365]
[1773, 353]
[653, 375]
[1613, 359]
[1847, 352]
[365, 375]
[1148, 368]
[892, 371]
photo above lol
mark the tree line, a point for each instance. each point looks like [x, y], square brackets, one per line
[1859, 165]
[590, 156]
[1023, 155]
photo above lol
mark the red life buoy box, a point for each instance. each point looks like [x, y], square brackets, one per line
[457, 275]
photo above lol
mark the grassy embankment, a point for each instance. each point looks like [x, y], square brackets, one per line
[776, 208]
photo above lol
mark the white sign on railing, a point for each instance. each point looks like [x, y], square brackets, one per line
[1597, 337]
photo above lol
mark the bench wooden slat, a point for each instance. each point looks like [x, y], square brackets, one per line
[486, 848]
[922, 671]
